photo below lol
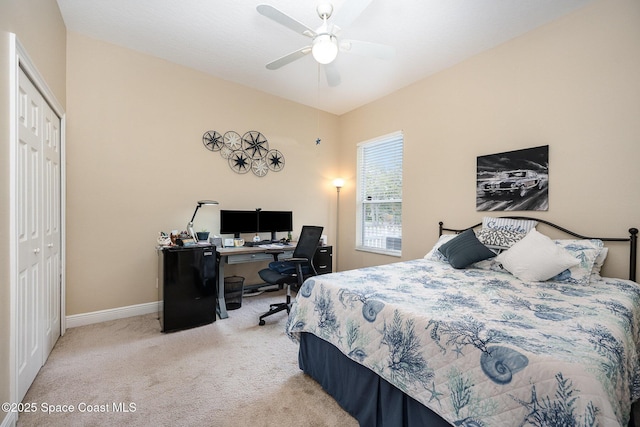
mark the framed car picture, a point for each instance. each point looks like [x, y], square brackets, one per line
[513, 181]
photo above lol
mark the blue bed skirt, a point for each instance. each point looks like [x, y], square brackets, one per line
[370, 399]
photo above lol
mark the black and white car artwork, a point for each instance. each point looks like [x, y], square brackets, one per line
[513, 180]
[517, 182]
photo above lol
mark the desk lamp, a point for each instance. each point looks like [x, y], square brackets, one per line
[190, 225]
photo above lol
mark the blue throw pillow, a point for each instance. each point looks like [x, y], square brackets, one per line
[283, 267]
[465, 249]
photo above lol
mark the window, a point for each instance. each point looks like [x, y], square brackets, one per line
[379, 195]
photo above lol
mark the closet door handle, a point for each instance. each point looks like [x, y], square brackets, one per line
[36, 251]
[50, 245]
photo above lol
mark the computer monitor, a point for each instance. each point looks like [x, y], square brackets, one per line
[274, 221]
[236, 222]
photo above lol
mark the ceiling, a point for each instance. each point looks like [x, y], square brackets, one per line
[229, 39]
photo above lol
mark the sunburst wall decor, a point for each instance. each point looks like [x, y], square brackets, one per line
[249, 152]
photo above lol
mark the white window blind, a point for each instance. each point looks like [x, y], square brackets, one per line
[379, 222]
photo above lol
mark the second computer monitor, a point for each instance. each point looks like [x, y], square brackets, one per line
[275, 221]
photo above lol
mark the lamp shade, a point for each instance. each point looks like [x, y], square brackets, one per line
[207, 202]
[338, 182]
[325, 48]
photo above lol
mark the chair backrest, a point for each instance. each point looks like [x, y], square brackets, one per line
[308, 242]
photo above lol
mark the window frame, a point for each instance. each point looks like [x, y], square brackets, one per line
[391, 138]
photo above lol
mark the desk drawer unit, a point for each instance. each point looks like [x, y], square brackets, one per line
[323, 259]
[242, 258]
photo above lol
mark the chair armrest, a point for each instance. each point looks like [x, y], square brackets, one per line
[298, 260]
[275, 253]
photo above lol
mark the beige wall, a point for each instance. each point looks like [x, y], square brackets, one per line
[573, 84]
[136, 165]
[40, 29]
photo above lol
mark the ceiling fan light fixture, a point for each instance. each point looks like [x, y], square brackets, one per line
[325, 48]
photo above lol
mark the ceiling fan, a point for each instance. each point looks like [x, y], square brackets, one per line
[326, 43]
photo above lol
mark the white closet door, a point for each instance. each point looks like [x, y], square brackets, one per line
[38, 234]
[29, 352]
[51, 232]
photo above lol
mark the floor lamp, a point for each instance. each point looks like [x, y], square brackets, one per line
[339, 183]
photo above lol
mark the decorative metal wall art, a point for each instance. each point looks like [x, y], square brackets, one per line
[513, 181]
[249, 152]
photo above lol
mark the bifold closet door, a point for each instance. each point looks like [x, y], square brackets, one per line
[51, 228]
[38, 231]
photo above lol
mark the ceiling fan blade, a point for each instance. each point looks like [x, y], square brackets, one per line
[376, 50]
[289, 58]
[349, 11]
[283, 19]
[332, 74]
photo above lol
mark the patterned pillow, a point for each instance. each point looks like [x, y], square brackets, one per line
[517, 225]
[587, 252]
[498, 239]
[597, 266]
[489, 264]
[434, 254]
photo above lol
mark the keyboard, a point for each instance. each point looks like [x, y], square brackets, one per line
[260, 243]
[266, 242]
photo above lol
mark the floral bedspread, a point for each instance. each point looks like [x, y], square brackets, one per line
[481, 347]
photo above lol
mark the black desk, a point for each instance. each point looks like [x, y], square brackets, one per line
[241, 255]
[322, 261]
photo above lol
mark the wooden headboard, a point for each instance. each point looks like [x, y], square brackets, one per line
[632, 239]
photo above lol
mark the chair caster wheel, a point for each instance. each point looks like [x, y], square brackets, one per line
[261, 323]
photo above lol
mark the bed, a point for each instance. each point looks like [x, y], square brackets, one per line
[481, 343]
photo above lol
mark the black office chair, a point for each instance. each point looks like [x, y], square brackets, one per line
[292, 271]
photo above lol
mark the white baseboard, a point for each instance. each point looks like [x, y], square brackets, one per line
[10, 420]
[76, 320]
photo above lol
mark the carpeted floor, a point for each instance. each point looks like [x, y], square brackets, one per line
[229, 373]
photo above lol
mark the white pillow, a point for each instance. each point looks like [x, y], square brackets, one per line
[536, 258]
[434, 254]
